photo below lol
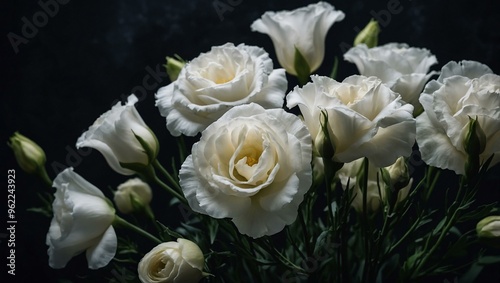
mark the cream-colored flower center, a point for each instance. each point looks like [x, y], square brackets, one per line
[351, 94]
[251, 160]
[219, 73]
[223, 79]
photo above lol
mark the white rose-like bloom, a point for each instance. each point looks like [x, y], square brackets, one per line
[252, 165]
[114, 135]
[465, 68]
[374, 198]
[444, 124]
[82, 222]
[172, 262]
[304, 28]
[404, 69]
[134, 192]
[216, 81]
[365, 118]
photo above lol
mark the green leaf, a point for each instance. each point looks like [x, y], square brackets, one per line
[471, 274]
[335, 68]
[150, 152]
[301, 67]
[485, 260]
[134, 166]
[213, 229]
[479, 212]
[169, 232]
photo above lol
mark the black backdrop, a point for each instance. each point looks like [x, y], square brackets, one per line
[73, 63]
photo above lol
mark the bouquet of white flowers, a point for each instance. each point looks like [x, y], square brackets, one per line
[291, 178]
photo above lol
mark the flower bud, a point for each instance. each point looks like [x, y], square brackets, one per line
[174, 67]
[475, 139]
[132, 196]
[398, 174]
[474, 145]
[180, 261]
[488, 230]
[322, 141]
[30, 157]
[368, 35]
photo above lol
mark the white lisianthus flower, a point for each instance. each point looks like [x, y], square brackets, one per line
[172, 262]
[82, 222]
[449, 104]
[377, 191]
[365, 118]
[304, 28]
[252, 165]
[465, 68]
[122, 137]
[216, 81]
[132, 195]
[404, 69]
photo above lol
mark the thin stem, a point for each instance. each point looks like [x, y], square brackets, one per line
[305, 232]
[149, 174]
[42, 173]
[366, 236]
[169, 177]
[170, 190]
[449, 223]
[120, 222]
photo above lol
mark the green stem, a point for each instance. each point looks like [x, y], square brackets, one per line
[449, 224]
[149, 174]
[169, 177]
[42, 173]
[305, 233]
[170, 190]
[122, 223]
[366, 234]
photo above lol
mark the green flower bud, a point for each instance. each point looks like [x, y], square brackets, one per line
[368, 35]
[475, 139]
[174, 66]
[488, 230]
[474, 144]
[322, 141]
[30, 157]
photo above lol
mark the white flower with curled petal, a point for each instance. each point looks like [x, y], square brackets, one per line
[176, 262]
[365, 118]
[465, 90]
[304, 28]
[242, 168]
[404, 69]
[82, 222]
[122, 137]
[465, 68]
[216, 81]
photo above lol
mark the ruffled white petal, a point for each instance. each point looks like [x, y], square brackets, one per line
[103, 252]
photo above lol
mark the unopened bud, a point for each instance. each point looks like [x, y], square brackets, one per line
[174, 66]
[475, 139]
[368, 35]
[323, 142]
[488, 230]
[133, 196]
[398, 174]
[30, 157]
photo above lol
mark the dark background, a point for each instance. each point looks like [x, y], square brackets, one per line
[90, 54]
